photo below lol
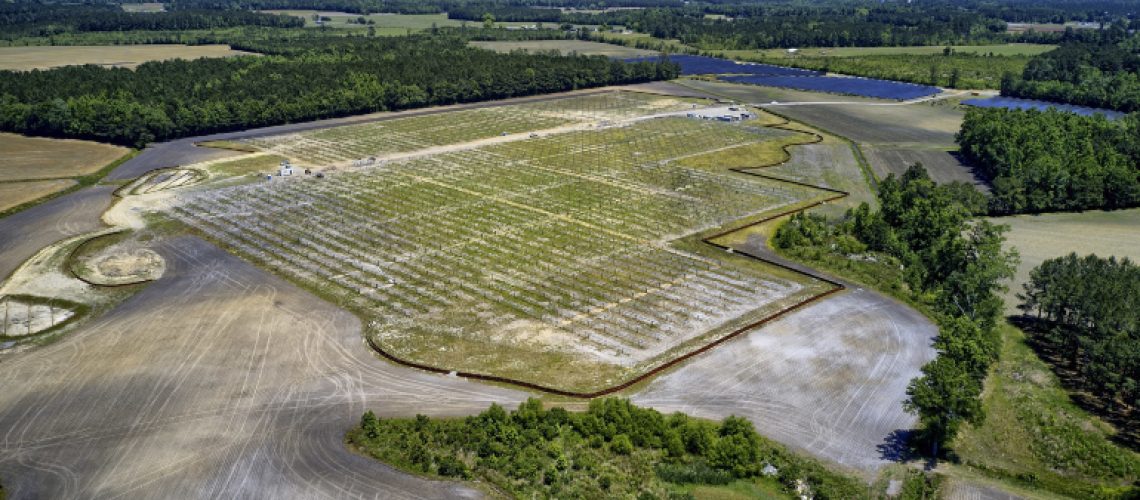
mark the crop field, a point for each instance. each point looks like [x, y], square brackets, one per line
[1041, 237]
[36, 158]
[13, 194]
[385, 24]
[582, 47]
[119, 56]
[559, 260]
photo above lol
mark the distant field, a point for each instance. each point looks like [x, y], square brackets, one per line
[385, 24]
[1009, 49]
[143, 7]
[35, 158]
[1041, 237]
[17, 193]
[126, 56]
[582, 47]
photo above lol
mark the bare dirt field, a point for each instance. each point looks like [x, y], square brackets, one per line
[34, 158]
[1041, 237]
[943, 166]
[119, 56]
[902, 125]
[828, 379]
[582, 47]
[37, 227]
[17, 193]
[225, 382]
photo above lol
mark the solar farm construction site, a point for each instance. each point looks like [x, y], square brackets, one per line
[553, 243]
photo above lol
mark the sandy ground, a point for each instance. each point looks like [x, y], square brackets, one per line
[216, 381]
[26, 232]
[828, 380]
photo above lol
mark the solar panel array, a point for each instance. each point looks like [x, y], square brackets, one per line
[795, 78]
[702, 65]
[1026, 104]
[866, 87]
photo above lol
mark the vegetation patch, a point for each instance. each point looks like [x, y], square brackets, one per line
[614, 449]
[120, 56]
[583, 47]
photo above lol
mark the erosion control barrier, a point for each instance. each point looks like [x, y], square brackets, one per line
[836, 287]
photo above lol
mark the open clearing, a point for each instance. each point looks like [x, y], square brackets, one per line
[943, 166]
[385, 24]
[13, 194]
[1041, 237]
[37, 158]
[582, 47]
[1009, 49]
[119, 56]
[498, 255]
[37, 227]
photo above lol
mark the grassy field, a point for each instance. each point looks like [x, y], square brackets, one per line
[125, 56]
[1035, 437]
[37, 158]
[143, 7]
[582, 47]
[1040, 237]
[385, 24]
[554, 259]
[1009, 49]
[13, 194]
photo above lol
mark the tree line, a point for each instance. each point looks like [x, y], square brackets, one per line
[1087, 311]
[612, 450]
[36, 19]
[1047, 161]
[299, 79]
[951, 263]
[1096, 68]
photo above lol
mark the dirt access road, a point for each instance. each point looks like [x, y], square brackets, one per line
[24, 233]
[217, 381]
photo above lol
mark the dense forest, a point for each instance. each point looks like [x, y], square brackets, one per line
[1087, 313]
[1048, 161]
[30, 19]
[951, 263]
[613, 450]
[299, 79]
[1099, 69]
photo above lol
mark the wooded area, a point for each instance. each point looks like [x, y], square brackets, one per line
[1086, 312]
[301, 79]
[951, 262]
[1048, 161]
[1099, 69]
[614, 449]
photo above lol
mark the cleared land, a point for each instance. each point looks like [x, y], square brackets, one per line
[553, 259]
[828, 380]
[226, 382]
[384, 24]
[1009, 49]
[14, 194]
[120, 56]
[943, 166]
[582, 47]
[1041, 237]
[143, 7]
[37, 227]
[37, 158]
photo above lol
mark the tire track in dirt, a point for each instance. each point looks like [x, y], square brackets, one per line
[218, 380]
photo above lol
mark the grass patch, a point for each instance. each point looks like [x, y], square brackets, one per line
[1035, 436]
[263, 164]
[39, 158]
[230, 145]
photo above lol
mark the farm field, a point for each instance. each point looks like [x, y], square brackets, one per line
[123, 56]
[943, 166]
[583, 47]
[1009, 49]
[385, 24]
[38, 158]
[499, 257]
[1041, 237]
[16, 193]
